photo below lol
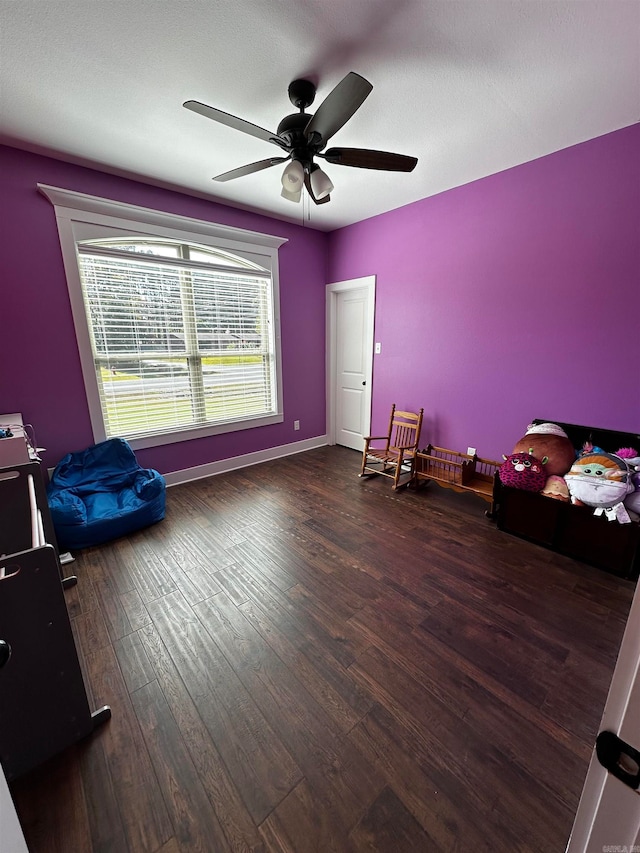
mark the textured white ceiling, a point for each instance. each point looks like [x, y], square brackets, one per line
[470, 88]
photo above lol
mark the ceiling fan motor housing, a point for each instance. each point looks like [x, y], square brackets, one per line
[301, 93]
[291, 129]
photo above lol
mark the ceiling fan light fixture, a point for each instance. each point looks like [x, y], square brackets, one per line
[320, 183]
[292, 195]
[293, 177]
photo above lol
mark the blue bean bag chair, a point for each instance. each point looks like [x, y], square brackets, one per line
[102, 493]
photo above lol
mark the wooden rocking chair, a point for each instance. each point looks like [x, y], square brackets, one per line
[396, 458]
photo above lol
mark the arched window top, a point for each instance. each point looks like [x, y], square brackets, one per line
[167, 248]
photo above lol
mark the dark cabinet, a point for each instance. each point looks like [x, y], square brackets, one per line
[43, 703]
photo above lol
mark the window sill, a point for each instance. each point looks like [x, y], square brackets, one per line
[190, 433]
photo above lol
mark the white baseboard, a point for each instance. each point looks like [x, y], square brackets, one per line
[209, 469]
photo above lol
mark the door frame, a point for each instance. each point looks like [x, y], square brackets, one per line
[593, 819]
[332, 291]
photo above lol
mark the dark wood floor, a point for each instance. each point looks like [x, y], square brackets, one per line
[300, 660]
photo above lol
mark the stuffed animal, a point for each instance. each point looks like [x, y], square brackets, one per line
[556, 488]
[590, 447]
[523, 471]
[630, 454]
[601, 480]
[632, 500]
[548, 440]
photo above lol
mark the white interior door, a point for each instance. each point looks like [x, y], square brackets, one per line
[11, 837]
[350, 318]
[608, 816]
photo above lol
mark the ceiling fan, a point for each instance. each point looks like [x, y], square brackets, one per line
[304, 137]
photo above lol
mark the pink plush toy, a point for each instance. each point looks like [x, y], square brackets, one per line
[627, 453]
[523, 471]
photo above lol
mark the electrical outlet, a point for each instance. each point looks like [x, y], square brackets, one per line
[296, 424]
[471, 451]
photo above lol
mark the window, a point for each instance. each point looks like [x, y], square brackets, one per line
[177, 329]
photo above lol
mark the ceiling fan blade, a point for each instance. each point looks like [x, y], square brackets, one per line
[365, 158]
[250, 168]
[307, 183]
[339, 105]
[234, 122]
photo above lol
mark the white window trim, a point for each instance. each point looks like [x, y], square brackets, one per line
[75, 210]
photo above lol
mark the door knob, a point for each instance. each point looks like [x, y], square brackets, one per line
[364, 383]
[5, 652]
[619, 758]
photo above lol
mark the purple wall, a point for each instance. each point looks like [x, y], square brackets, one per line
[513, 297]
[40, 372]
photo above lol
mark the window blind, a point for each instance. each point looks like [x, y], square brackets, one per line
[177, 343]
